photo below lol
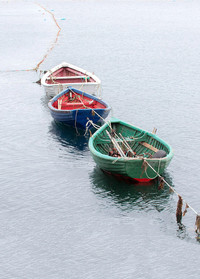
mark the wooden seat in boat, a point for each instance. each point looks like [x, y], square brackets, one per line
[78, 105]
[149, 146]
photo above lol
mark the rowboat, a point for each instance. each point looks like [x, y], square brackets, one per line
[128, 152]
[78, 109]
[64, 75]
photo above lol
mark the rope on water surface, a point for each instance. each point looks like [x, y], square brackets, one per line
[170, 187]
[181, 200]
[51, 15]
[157, 174]
[48, 51]
[179, 213]
[53, 45]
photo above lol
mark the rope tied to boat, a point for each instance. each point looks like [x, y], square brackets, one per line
[107, 122]
[48, 50]
[179, 213]
[55, 42]
[93, 111]
[88, 124]
[145, 164]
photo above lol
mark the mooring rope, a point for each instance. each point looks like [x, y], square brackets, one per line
[154, 170]
[87, 126]
[171, 187]
[51, 15]
[108, 123]
[53, 45]
[48, 51]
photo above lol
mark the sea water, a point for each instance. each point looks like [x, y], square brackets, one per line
[60, 216]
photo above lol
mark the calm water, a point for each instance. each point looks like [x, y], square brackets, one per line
[60, 216]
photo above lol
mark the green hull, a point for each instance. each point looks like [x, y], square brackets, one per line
[132, 167]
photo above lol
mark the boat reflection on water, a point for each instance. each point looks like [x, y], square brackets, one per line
[68, 137]
[131, 196]
[44, 102]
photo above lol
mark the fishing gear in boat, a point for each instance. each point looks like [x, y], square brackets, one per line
[127, 146]
[115, 138]
[117, 146]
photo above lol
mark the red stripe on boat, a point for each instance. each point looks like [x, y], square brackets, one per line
[128, 179]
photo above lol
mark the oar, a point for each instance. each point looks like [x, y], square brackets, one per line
[127, 145]
[59, 103]
[116, 145]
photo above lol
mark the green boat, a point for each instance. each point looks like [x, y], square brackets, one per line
[125, 151]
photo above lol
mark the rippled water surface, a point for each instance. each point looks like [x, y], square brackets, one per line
[60, 216]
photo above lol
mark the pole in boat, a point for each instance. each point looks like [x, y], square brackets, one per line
[116, 145]
[127, 145]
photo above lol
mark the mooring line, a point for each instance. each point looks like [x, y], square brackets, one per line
[48, 51]
[51, 15]
[53, 45]
[171, 187]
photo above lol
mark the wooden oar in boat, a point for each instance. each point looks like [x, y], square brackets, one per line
[116, 145]
[127, 145]
[59, 103]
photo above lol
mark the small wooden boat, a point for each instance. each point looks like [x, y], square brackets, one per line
[64, 75]
[128, 152]
[77, 108]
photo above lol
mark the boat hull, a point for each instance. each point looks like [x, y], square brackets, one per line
[129, 167]
[90, 88]
[132, 168]
[79, 118]
[65, 75]
[126, 178]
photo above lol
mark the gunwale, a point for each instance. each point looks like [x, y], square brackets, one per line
[95, 79]
[105, 106]
[131, 167]
[115, 120]
[79, 117]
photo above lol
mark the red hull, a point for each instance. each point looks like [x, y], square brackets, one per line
[128, 179]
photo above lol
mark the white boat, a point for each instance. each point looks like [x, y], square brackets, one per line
[64, 75]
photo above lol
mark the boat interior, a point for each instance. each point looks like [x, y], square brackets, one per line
[123, 141]
[72, 100]
[68, 75]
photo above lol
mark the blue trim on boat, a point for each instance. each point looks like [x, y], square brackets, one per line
[78, 117]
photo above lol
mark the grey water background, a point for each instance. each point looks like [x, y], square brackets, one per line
[60, 216]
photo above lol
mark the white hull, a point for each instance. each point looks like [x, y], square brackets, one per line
[52, 90]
